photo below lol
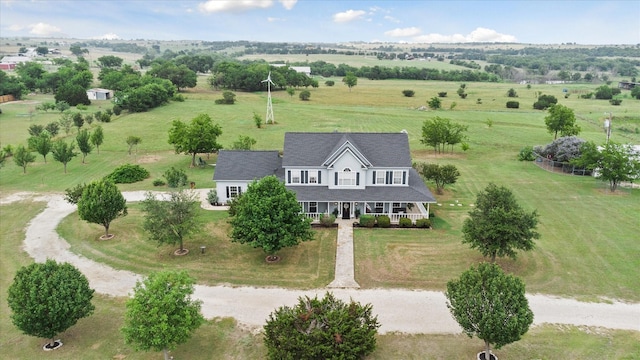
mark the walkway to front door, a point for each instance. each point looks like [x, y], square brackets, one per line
[345, 270]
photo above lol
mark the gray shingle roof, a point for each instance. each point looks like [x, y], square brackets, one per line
[312, 149]
[247, 165]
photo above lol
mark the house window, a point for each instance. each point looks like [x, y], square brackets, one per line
[396, 205]
[313, 179]
[295, 177]
[380, 177]
[397, 177]
[313, 207]
[233, 191]
[346, 177]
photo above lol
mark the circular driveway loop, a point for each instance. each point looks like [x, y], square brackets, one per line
[398, 310]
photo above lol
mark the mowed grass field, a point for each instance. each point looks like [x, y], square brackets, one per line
[588, 248]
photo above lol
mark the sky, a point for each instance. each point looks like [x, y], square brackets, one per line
[328, 21]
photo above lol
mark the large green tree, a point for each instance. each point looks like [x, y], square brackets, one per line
[161, 314]
[268, 216]
[199, 136]
[84, 144]
[63, 152]
[48, 298]
[439, 132]
[109, 61]
[440, 174]
[498, 226]
[101, 203]
[42, 144]
[23, 157]
[561, 119]
[179, 75]
[489, 304]
[326, 328]
[170, 221]
[612, 162]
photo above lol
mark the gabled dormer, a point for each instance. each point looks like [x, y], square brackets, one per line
[346, 146]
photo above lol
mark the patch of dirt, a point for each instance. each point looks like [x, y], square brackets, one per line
[148, 159]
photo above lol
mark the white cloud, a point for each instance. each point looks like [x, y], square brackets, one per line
[405, 32]
[43, 29]
[216, 6]
[478, 35]
[108, 36]
[16, 27]
[288, 4]
[348, 15]
[391, 19]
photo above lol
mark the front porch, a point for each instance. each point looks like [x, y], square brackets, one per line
[353, 209]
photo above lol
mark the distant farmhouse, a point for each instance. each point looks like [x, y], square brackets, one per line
[341, 173]
[10, 62]
[99, 94]
[627, 85]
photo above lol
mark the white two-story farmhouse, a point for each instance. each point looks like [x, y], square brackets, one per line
[343, 173]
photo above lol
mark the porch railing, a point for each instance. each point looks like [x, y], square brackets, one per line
[395, 218]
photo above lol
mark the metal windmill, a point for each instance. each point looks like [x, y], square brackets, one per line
[270, 118]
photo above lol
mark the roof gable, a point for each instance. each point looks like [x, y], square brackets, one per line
[343, 146]
[376, 149]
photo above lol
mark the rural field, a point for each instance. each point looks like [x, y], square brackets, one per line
[588, 249]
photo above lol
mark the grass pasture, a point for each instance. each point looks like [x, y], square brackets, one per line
[588, 247]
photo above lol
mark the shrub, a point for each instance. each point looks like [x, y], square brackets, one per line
[52, 128]
[434, 103]
[545, 101]
[212, 196]
[367, 220]
[82, 107]
[177, 97]
[159, 182]
[513, 105]
[408, 93]
[304, 95]
[526, 154]
[227, 98]
[604, 92]
[257, 120]
[117, 109]
[479, 101]
[72, 195]
[175, 177]
[384, 221]
[586, 96]
[635, 92]
[442, 94]
[423, 223]
[327, 220]
[405, 222]
[512, 93]
[615, 101]
[127, 174]
[329, 83]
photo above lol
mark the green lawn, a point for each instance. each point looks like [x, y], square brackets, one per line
[588, 248]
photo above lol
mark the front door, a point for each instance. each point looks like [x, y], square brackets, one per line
[346, 210]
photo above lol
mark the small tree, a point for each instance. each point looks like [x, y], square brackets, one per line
[268, 216]
[291, 91]
[434, 103]
[161, 314]
[561, 119]
[23, 157]
[489, 304]
[133, 141]
[321, 329]
[35, 129]
[66, 122]
[62, 106]
[257, 119]
[512, 93]
[48, 298]
[84, 145]
[350, 80]
[42, 144]
[498, 226]
[101, 203]
[97, 137]
[63, 152]
[305, 95]
[243, 143]
[78, 120]
[171, 221]
[441, 175]
[73, 195]
[612, 162]
[199, 136]
[544, 102]
[175, 177]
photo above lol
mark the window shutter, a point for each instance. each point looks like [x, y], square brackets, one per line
[389, 177]
[289, 176]
[306, 177]
[357, 179]
[319, 177]
[239, 190]
[227, 192]
[336, 174]
[404, 178]
[374, 177]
